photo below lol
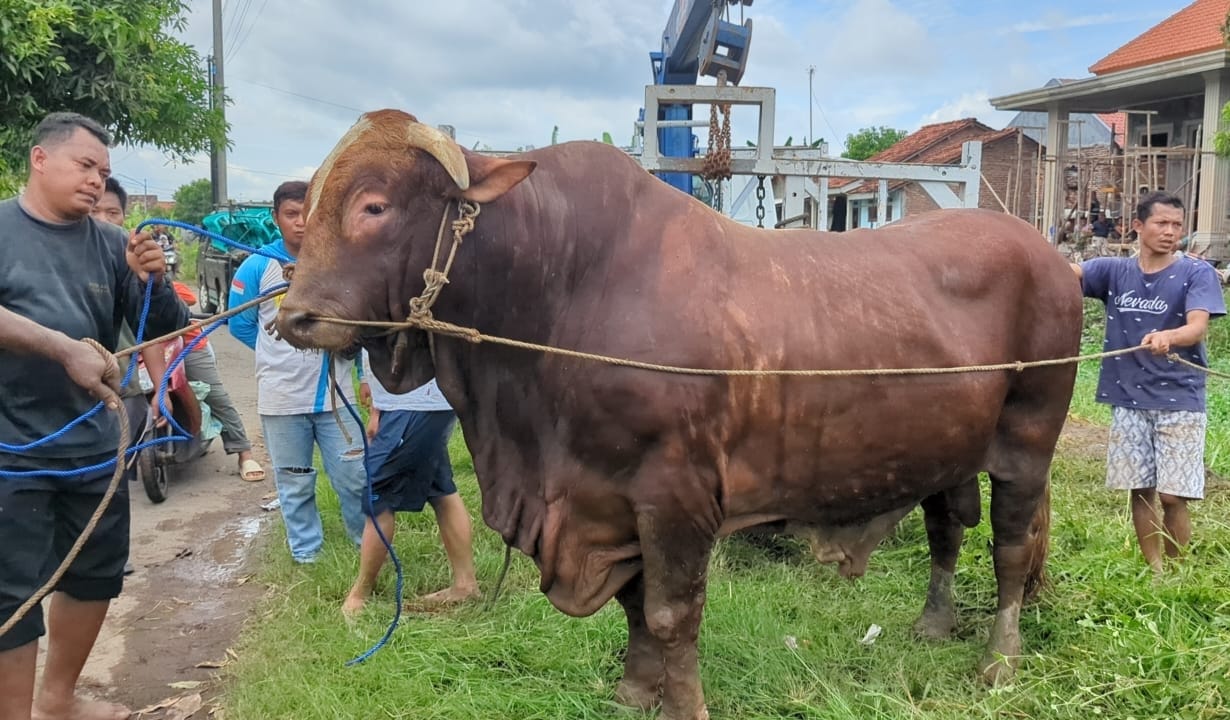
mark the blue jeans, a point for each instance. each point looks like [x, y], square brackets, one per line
[290, 439]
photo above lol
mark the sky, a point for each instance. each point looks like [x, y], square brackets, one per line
[504, 73]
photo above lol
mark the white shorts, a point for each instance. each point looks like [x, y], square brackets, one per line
[1161, 449]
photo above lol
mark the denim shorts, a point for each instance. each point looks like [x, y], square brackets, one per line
[408, 460]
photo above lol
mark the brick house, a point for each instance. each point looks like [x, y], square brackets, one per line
[1009, 170]
[1172, 82]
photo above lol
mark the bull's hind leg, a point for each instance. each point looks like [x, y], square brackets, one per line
[946, 515]
[641, 686]
[676, 550]
[1018, 493]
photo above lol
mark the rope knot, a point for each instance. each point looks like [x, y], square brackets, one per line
[463, 225]
[420, 310]
[435, 279]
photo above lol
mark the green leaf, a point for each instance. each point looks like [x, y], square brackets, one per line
[118, 62]
[871, 140]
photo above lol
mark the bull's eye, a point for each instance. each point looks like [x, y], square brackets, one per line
[375, 208]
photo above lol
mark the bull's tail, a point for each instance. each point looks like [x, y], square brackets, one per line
[1039, 541]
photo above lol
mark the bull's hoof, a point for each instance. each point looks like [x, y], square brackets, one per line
[701, 714]
[936, 624]
[996, 670]
[638, 696]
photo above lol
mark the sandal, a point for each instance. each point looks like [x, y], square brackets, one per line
[251, 471]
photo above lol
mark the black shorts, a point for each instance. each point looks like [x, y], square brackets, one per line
[408, 460]
[40, 519]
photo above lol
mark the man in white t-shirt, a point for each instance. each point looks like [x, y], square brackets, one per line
[293, 389]
[408, 464]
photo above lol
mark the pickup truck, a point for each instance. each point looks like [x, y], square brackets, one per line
[214, 270]
[217, 263]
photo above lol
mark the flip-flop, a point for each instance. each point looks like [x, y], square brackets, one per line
[251, 471]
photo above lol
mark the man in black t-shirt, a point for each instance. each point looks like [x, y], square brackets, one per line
[64, 279]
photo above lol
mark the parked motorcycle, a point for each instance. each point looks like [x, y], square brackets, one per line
[155, 464]
[172, 260]
[167, 242]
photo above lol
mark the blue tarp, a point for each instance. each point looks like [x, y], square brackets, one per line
[253, 227]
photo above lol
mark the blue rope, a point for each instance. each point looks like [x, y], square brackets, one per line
[280, 257]
[388, 633]
[180, 433]
[132, 365]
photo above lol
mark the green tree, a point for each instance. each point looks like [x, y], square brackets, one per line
[871, 140]
[194, 201]
[1221, 140]
[116, 61]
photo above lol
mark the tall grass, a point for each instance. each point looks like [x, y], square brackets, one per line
[781, 633]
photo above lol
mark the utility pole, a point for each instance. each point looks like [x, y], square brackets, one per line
[811, 133]
[217, 97]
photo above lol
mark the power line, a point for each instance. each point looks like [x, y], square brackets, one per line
[236, 25]
[229, 18]
[266, 172]
[301, 95]
[458, 130]
[142, 183]
[244, 27]
[826, 119]
[244, 37]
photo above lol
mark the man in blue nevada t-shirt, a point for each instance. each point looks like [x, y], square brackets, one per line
[1162, 301]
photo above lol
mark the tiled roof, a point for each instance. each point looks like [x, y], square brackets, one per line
[922, 139]
[1117, 123]
[1193, 30]
[938, 144]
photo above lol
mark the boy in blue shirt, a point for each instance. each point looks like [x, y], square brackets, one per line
[1163, 301]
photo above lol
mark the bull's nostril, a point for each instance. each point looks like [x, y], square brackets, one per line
[295, 325]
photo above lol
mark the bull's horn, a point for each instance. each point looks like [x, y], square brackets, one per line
[443, 149]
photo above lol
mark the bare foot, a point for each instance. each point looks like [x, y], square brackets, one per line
[353, 605]
[451, 595]
[81, 709]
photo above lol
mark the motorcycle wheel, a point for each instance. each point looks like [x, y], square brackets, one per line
[153, 476]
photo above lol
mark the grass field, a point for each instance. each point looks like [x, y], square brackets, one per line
[781, 637]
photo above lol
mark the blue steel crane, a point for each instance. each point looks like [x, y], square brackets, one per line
[698, 41]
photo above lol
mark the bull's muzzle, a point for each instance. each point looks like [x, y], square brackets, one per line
[306, 330]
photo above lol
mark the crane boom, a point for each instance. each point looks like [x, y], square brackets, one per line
[697, 41]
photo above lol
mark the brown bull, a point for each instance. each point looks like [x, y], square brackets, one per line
[618, 481]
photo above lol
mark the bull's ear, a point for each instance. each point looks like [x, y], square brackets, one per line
[492, 177]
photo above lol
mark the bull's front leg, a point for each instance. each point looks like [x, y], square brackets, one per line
[641, 686]
[676, 556]
[945, 530]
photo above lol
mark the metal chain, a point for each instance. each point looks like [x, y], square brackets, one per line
[716, 163]
[760, 202]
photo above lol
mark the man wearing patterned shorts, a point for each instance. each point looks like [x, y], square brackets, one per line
[1163, 301]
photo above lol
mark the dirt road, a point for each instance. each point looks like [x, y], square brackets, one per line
[188, 598]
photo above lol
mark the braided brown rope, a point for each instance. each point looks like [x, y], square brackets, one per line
[472, 335]
[1205, 370]
[467, 213]
[204, 323]
[113, 401]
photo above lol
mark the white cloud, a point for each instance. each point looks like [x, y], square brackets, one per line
[878, 37]
[505, 72]
[973, 104]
